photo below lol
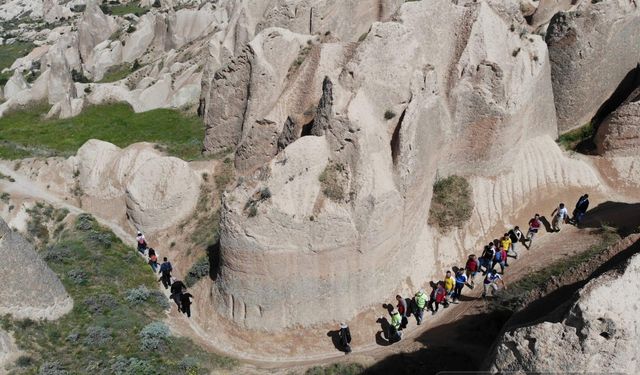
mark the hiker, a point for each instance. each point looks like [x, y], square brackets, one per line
[153, 259]
[461, 281]
[419, 302]
[534, 227]
[177, 288]
[501, 259]
[438, 296]
[471, 268]
[394, 327]
[185, 303]
[490, 282]
[505, 242]
[344, 338]
[581, 209]
[560, 214]
[486, 260]
[165, 271]
[516, 236]
[449, 285]
[142, 242]
[402, 309]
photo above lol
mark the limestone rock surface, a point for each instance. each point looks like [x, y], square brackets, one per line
[592, 50]
[619, 133]
[31, 289]
[598, 334]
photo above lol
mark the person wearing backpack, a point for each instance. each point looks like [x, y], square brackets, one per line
[491, 283]
[516, 236]
[471, 268]
[419, 301]
[461, 281]
[394, 328]
[581, 209]
[486, 260]
[185, 303]
[439, 296]
[403, 310]
[501, 259]
[142, 243]
[344, 338]
[153, 260]
[165, 272]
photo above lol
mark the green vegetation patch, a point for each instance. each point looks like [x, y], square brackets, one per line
[9, 53]
[573, 139]
[115, 326]
[452, 203]
[123, 9]
[25, 132]
[118, 72]
[198, 270]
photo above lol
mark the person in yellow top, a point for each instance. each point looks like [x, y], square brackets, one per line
[394, 327]
[506, 245]
[449, 283]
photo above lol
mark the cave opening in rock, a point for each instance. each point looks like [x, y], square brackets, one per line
[306, 128]
[395, 140]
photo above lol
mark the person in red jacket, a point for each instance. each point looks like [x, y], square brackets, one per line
[471, 268]
[438, 296]
[534, 227]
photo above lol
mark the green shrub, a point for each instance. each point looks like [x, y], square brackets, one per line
[78, 277]
[5, 197]
[52, 368]
[197, 271]
[85, 222]
[452, 203]
[154, 337]
[97, 336]
[100, 303]
[389, 114]
[573, 138]
[131, 366]
[24, 361]
[57, 254]
[138, 295]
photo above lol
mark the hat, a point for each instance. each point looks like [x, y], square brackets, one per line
[139, 233]
[343, 325]
[394, 312]
[421, 291]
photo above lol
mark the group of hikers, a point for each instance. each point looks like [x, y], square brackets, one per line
[178, 290]
[449, 290]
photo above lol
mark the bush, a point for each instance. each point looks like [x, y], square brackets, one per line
[100, 239]
[389, 114]
[77, 276]
[138, 295]
[574, 139]
[160, 299]
[197, 271]
[78, 76]
[154, 337]
[97, 336]
[332, 180]
[52, 368]
[85, 222]
[57, 254]
[24, 361]
[451, 204]
[131, 366]
[100, 303]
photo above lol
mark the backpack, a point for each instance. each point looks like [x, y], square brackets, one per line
[498, 256]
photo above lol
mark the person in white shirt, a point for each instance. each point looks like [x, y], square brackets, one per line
[560, 214]
[491, 282]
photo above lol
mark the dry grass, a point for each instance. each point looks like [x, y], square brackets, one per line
[451, 204]
[332, 180]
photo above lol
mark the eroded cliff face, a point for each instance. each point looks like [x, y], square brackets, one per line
[597, 334]
[30, 289]
[414, 100]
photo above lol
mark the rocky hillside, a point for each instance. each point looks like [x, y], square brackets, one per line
[337, 119]
[597, 333]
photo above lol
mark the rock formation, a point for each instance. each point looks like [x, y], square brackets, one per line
[416, 98]
[619, 133]
[598, 334]
[592, 49]
[30, 288]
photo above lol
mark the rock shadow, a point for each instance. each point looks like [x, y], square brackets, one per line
[213, 253]
[623, 216]
[547, 224]
[335, 340]
[381, 336]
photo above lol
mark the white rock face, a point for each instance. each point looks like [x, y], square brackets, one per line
[598, 334]
[154, 191]
[31, 290]
[15, 85]
[454, 87]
